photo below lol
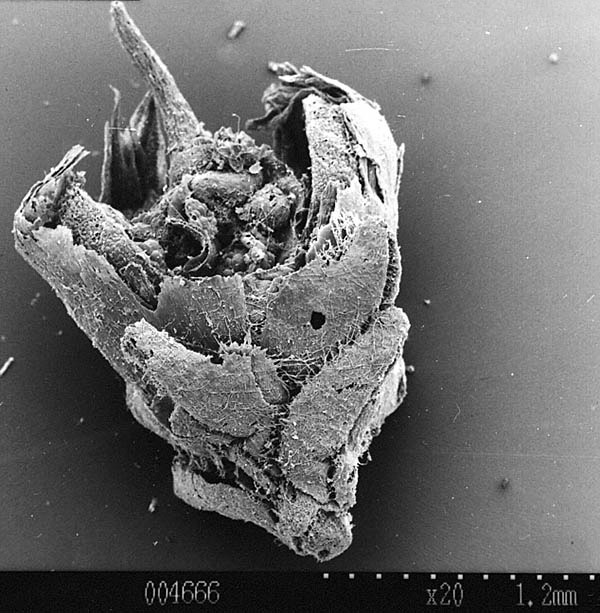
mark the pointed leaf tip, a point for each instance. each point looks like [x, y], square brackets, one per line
[179, 121]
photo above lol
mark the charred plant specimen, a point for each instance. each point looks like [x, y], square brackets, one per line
[245, 294]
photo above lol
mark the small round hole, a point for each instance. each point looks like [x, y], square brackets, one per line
[317, 320]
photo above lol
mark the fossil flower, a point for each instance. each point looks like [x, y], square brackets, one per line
[244, 293]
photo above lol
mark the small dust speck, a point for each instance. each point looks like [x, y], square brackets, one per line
[236, 29]
[6, 365]
[155, 543]
[504, 483]
[427, 302]
[425, 78]
[59, 333]
[15, 21]
[553, 58]
[46, 102]
[153, 505]
[81, 421]
[410, 369]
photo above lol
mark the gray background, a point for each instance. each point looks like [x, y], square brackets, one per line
[499, 228]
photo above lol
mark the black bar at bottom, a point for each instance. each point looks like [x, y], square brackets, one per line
[295, 591]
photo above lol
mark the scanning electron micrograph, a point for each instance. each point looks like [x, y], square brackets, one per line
[245, 293]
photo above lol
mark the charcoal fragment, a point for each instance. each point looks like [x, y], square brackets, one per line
[246, 294]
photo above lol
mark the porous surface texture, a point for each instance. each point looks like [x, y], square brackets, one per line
[246, 294]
